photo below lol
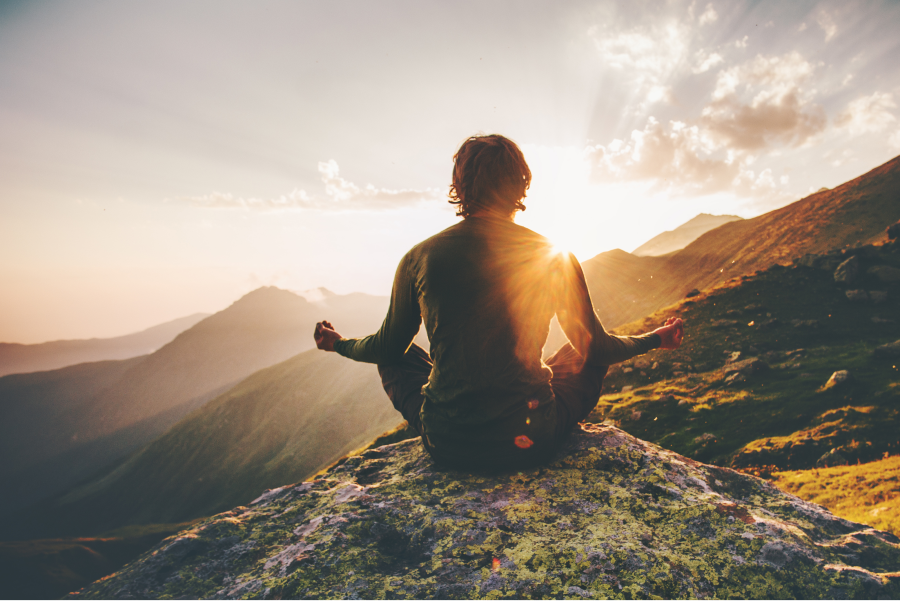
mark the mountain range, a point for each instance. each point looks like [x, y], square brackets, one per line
[681, 236]
[626, 287]
[58, 427]
[24, 358]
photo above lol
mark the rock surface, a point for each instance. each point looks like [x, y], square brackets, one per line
[611, 517]
[846, 272]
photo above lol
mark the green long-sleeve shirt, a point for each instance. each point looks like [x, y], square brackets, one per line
[487, 289]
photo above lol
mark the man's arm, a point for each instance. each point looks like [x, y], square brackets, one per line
[396, 333]
[586, 333]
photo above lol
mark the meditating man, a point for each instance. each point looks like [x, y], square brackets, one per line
[486, 290]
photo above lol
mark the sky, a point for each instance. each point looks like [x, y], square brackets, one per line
[160, 159]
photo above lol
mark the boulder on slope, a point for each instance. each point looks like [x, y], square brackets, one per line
[611, 517]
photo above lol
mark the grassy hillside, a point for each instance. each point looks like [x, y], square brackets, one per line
[626, 287]
[61, 426]
[774, 415]
[276, 427]
[868, 493]
[26, 358]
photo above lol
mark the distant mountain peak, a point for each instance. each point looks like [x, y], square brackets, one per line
[315, 295]
[672, 240]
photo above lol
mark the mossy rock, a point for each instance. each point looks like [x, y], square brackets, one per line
[611, 517]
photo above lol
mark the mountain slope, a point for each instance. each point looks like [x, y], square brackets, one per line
[61, 426]
[626, 287]
[26, 358]
[747, 387]
[681, 236]
[280, 425]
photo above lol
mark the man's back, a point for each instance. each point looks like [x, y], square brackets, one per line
[486, 290]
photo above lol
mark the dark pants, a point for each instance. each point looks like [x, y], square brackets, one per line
[576, 386]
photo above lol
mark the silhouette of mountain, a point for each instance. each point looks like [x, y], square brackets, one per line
[681, 236]
[281, 424]
[60, 426]
[25, 358]
[626, 287]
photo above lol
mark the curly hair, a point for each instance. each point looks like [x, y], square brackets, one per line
[489, 172]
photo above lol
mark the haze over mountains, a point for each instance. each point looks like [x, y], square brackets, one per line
[58, 427]
[24, 358]
[682, 235]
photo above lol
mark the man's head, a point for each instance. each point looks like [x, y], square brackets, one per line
[489, 173]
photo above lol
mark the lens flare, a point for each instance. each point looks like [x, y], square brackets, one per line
[523, 442]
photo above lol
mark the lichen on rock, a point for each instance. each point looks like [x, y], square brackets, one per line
[610, 517]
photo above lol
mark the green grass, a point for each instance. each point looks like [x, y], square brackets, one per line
[868, 493]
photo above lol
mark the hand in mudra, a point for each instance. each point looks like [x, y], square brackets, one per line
[325, 336]
[671, 334]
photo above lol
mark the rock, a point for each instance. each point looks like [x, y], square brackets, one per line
[627, 388]
[805, 323]
[636, 415]
[877, 319]
[705, 438]
[878, 296]
[748, 367]
[627, 370]
[683, 402]
[857, 295]
[847, 271]
[893, 231]
[641, 363]
[733, 356]
[837, 378]
[831, 458]
[885, 273]
[754, 308]
[692, 293]
[889, 350]
[608, 511]
[655, 365]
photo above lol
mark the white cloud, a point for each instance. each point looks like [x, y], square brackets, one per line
[742, 43]
[709, 15]
[868, 114]
[678, 157]
[802, 27]
[340, 195]
[894, 140]
[761, 102]
[705, 62]
[826, 22]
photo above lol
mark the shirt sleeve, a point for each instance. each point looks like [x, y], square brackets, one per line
[582, 326]
[398, 330]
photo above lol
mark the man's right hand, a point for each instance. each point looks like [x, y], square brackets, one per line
[325, 336]
[671, 334]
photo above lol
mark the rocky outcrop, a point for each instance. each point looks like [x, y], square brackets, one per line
[611, 517]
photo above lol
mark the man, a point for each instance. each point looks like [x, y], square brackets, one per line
[486, 290]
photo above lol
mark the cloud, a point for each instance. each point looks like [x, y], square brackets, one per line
[705, 62]
[709, 15]
[761, 102]
[741, 43]
[648, 55]
[894, 140]
[340, 195]
[868, 114]
[679, 158]
[826, 22]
